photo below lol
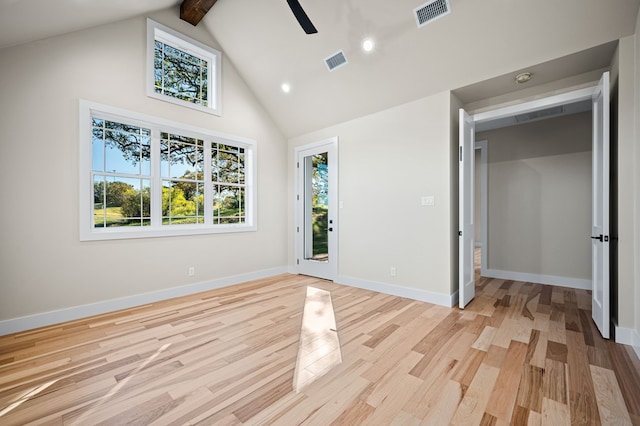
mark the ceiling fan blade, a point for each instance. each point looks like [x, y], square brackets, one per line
[302, 17]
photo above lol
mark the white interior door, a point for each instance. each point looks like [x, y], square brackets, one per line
[466, 231]
[316, 211]
[600, 208]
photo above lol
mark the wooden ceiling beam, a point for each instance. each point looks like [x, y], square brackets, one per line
[193, 11]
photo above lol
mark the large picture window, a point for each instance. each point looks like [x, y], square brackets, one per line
[182, 70]
[142, 177]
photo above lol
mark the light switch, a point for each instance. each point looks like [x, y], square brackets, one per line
[428, 200]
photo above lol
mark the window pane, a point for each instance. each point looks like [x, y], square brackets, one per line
[99, 208]
[228, 165]
[241, 168]
[97, 151]
[121, 127]
[121, 148]
[228, 204]
[182, 202]
[145, 155]
[181, 157]
[180, 74]
[228, 148]
[121, 201]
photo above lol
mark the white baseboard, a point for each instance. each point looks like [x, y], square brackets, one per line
[447, 300]
[537, 278]
[628, 336]
[16, 325]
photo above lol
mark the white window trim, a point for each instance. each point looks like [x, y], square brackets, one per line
[88, 109]
[157, 31]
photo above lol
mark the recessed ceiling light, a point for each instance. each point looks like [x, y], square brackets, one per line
[523, 77]
[368, 45]
[286, 87]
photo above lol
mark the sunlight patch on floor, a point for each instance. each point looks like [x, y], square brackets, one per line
[319, 348]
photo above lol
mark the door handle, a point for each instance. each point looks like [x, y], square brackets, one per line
[599, 237]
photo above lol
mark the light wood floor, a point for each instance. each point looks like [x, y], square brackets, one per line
[520, 353]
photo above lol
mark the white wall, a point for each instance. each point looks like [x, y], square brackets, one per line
[628, 220]
[43, 265]
[539, 197]
[387, 161]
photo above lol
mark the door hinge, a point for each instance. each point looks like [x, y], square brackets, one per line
[298, 197]
[459, 233]
[298, 261]
[297, 229]
[298, 165]
[460, 154]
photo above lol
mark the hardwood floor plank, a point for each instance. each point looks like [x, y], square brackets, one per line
[488, 420]
[520, 416]
[557, 351]
[472, 407]
[379, 335]
[426, 396]
[557, 330]
[554, 384]
[555, 413]
[439, 333]
[483, 342]
[628, 376]
[530, 390]
[501, 403]
[356, 413]
[496, 356]
[444, 408]
[466, 370]
[610, 401]
[582, 398]
[538, 355]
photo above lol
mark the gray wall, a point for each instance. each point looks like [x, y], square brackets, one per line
[539, 197]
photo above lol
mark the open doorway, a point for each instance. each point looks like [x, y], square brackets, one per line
[539, 208]
[599, 98]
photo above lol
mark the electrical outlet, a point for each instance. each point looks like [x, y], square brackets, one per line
[192, 271]
[392, 271]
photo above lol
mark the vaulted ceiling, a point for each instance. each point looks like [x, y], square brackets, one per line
[479, 40]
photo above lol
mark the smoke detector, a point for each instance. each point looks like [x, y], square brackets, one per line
[523, 77]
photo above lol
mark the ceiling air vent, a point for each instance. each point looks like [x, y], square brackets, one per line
[431, 11]
[536, 115]
[336, 60]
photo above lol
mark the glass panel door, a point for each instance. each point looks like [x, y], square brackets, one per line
[316, 207]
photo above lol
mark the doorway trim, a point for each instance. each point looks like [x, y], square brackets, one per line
[535, 105]
[509, 111]
[329, 270]
[483, 146]
[589, 93]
